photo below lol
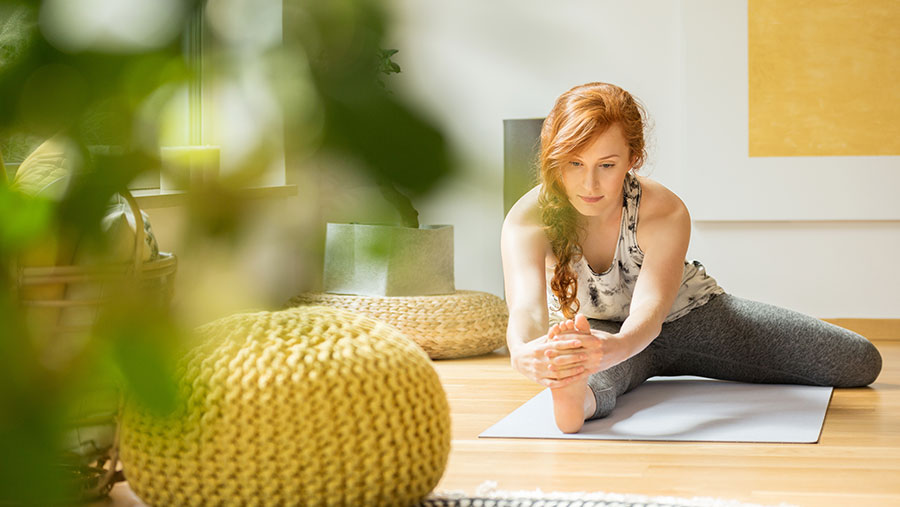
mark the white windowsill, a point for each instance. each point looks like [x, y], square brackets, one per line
[156, 198]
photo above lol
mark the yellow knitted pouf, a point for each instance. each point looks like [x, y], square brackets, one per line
[308, 406]
[462, 324]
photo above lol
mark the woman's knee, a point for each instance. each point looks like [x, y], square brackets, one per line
[869, 363]
[863, 364]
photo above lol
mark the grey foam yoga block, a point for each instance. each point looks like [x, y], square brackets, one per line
[383, 260]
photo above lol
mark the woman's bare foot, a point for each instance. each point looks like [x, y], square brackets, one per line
[575, 402]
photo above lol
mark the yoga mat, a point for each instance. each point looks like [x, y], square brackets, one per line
[687, 409]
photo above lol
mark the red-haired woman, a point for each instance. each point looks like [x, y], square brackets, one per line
[604, 250]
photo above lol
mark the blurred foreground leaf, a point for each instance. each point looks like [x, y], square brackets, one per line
[395, 143]
[30, 420]
[94, 187]
[22, 219]
[143, 346]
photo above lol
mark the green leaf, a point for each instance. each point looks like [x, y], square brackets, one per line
[142, 346]
[23, 220]
[148, 372]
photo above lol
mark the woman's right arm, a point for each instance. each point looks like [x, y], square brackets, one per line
[524, 247]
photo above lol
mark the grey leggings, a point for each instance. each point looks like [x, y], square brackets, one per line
[730, 338]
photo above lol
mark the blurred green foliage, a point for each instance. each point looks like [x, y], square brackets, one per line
[387, 65]
[326, 77]
[409, 216]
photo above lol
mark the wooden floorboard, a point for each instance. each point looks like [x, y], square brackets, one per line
[873, 329]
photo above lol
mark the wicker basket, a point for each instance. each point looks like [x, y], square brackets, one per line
[92, 463]
[462, 324]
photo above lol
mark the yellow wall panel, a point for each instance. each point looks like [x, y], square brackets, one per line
[824, 77]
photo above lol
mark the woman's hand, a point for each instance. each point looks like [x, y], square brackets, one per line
[552, 363]
[600, 350]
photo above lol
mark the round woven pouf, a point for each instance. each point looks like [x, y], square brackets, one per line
[462, 324]
[309, 406]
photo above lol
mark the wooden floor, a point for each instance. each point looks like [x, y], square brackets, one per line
[856, 462]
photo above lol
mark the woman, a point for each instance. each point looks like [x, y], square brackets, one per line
[605, 250]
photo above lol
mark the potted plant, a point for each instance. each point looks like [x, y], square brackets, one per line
[392, 259]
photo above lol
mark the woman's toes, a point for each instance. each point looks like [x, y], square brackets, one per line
[554, 331]
[581, 323]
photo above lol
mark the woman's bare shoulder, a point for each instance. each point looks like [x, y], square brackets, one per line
[526, 212]
[657, 201]
[523, 229]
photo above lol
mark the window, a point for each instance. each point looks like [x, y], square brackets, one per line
[229, 99]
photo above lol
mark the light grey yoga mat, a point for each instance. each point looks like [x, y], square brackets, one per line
[687, 409]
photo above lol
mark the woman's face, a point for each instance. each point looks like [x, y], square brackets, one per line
[593, 177]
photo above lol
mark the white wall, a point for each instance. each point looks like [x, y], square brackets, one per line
[472, 63]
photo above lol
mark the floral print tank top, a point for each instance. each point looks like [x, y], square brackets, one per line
[607, 295]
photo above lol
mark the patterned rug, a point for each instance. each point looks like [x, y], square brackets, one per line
[487, 495]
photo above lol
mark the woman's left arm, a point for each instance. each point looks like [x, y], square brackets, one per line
[665, 234]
